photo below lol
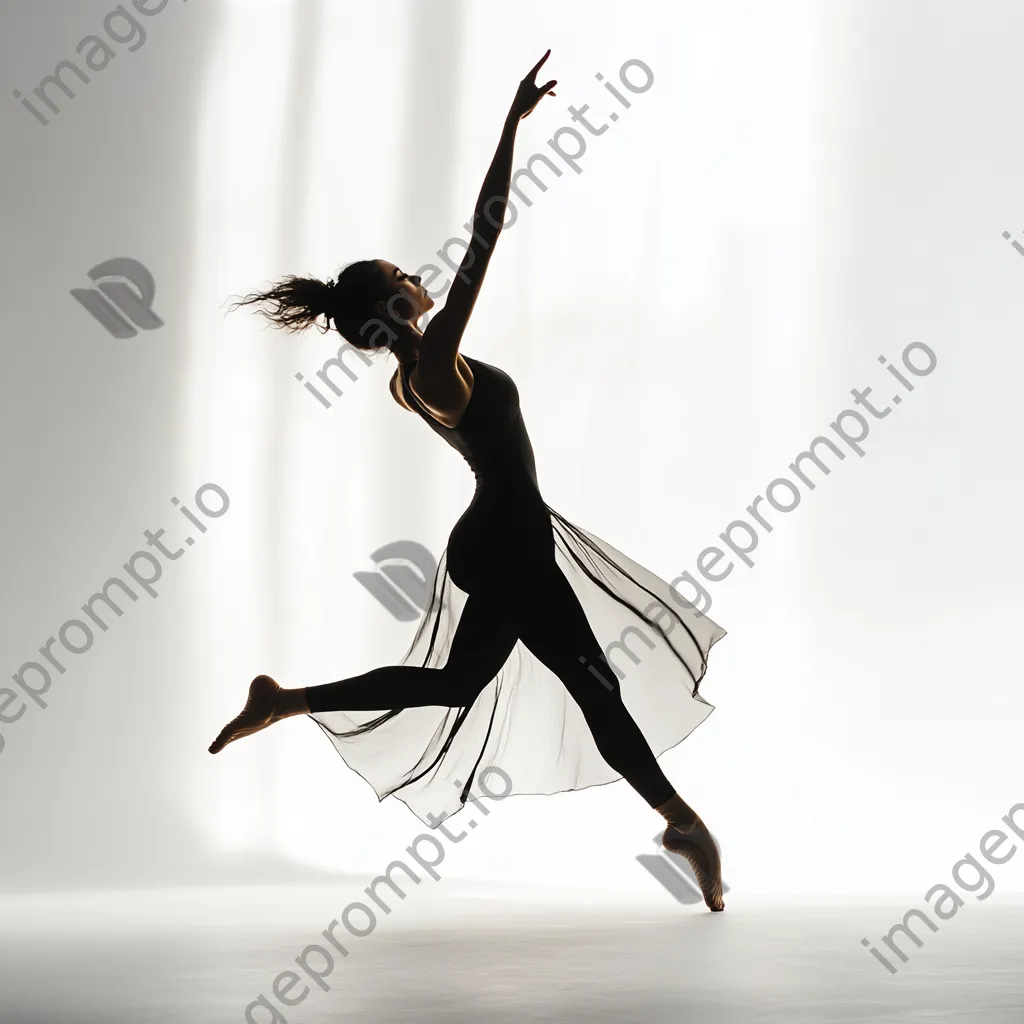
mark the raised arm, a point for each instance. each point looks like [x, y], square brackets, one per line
[440, 347]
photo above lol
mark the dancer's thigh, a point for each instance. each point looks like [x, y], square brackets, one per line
[555, 629]
[483, 640]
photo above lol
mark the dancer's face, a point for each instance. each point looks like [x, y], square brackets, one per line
[409, 298]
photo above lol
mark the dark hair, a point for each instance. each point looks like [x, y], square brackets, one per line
[300, 302]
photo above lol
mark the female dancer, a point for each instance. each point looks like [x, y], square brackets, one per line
[509, 632]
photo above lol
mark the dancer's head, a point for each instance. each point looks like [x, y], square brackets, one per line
[372, 303]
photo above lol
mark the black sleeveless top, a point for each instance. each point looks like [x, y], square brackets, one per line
[491, 435]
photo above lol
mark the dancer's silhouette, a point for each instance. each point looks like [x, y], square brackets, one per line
[525, 581]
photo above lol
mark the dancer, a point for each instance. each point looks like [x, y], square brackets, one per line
[506, 668]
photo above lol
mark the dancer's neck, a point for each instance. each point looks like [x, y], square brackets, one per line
[406, 345]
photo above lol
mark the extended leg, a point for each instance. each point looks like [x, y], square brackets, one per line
[481, 645]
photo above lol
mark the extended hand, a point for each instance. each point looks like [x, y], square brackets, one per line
[529, 94]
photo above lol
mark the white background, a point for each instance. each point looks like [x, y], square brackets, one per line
[805, 187]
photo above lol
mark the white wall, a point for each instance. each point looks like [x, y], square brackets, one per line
[805, 187]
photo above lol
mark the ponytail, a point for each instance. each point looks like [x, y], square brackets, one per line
[296, 303]
[299, 302]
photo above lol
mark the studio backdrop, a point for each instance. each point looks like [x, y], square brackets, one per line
[755, 291]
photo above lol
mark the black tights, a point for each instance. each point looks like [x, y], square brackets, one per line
[555, 629]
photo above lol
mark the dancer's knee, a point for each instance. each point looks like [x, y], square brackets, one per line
[460, 687]
[589, 679]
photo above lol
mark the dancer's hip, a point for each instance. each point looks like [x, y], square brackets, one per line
[501, 545]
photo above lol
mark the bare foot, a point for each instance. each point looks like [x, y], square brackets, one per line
[259, 712]
[698, 847]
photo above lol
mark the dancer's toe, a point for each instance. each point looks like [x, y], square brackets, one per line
[258, 713]
[697, 846]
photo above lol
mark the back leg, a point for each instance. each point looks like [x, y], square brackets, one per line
[558, 633]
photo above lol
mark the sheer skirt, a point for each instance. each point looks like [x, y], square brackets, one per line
[524, 724]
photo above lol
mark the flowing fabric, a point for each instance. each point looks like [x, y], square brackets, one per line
[524, 725]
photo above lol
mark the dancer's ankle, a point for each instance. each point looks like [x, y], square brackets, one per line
[678, 813]
[291, 702]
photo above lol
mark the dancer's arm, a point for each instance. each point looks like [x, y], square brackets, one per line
[440, 347]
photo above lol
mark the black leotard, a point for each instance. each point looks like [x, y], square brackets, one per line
[516, 673]
[505, 534]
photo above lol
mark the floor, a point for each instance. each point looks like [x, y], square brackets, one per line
[457, 955]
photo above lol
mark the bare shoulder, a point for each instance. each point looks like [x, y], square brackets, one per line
[443, 390]
[432, 374]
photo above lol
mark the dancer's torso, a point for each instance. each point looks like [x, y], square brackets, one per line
[503, 543]
[491, 435]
